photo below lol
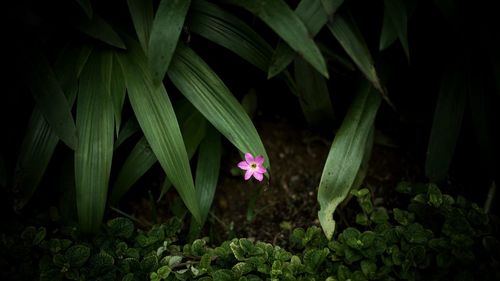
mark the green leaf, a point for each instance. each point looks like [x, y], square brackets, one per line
[167, 27]
[131, 127]
[40, 140]
[389, 33]
[398, 14]
[446, 125]
[207, 174]
[51, 100]
[138, 162]
[94, 153]
[99, 29]
[77, 255]
[313, 93]
[86, 6]
[350, 38]
[314, 16]
[223, 28]
[207, 170]
[121, 227]
[201, 86]
[142, 17]
[280, 18]
[346, 155]
[331, 6]
[117, 91]
[154, 112]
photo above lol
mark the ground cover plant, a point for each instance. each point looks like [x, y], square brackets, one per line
[203, 122]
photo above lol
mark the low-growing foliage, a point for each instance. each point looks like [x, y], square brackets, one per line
[437, 237]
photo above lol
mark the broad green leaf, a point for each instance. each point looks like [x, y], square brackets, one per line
[193, 128]
[398, 14]
[99, 29]
[94, 119]
[346, 32]
[36, 151]
[51, 101]
[167, 27]
[314, 17]
[207, 170]
[331, 6]
[142, 17]
[141, 158]
[154, 112]
[389, 33]
[223, 28]
[131, 127]
[207, 174]
[86, 6]
[83, 56]
[201, 86]
[40, 140]
[346, 155]
[313, 93]
[117, 91]
[446, 124]
[138, 162]
[280, 18]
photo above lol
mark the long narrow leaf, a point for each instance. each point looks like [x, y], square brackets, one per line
[207, 174]
[193, 128]
[142, 17]
[141, 158]
[131, 127]
[117, 91]
[51, 101]
[138, 162]
[278, 15]
[346, 32]
[446, 124]
[313, 15]
[223, 28]
[99, 29]
[86, 6]
[201, 86]
[399, 17]
[346, 155]
[207, 171]
[167, 27]
[40, 140]
[154, 112]
[94, 117]
[331, 6]
[36, 151]
[313, 93]
[389, 34]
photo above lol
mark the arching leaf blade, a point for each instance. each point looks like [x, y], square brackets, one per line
[166, 29]
[201, 86]
[94, 153]
[346, 155]
[155, 115]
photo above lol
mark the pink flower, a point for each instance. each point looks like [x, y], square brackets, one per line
[253, 166]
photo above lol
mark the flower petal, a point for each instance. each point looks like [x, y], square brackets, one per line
[249, 157]
[258, 176]
[243, 165]
[259, 159]
[261, 170]
[248, 174]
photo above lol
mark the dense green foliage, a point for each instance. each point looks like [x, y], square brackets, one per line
[436, 237]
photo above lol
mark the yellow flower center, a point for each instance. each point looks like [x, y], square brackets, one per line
[253, 165]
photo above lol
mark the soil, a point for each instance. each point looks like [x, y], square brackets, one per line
[288, 199]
